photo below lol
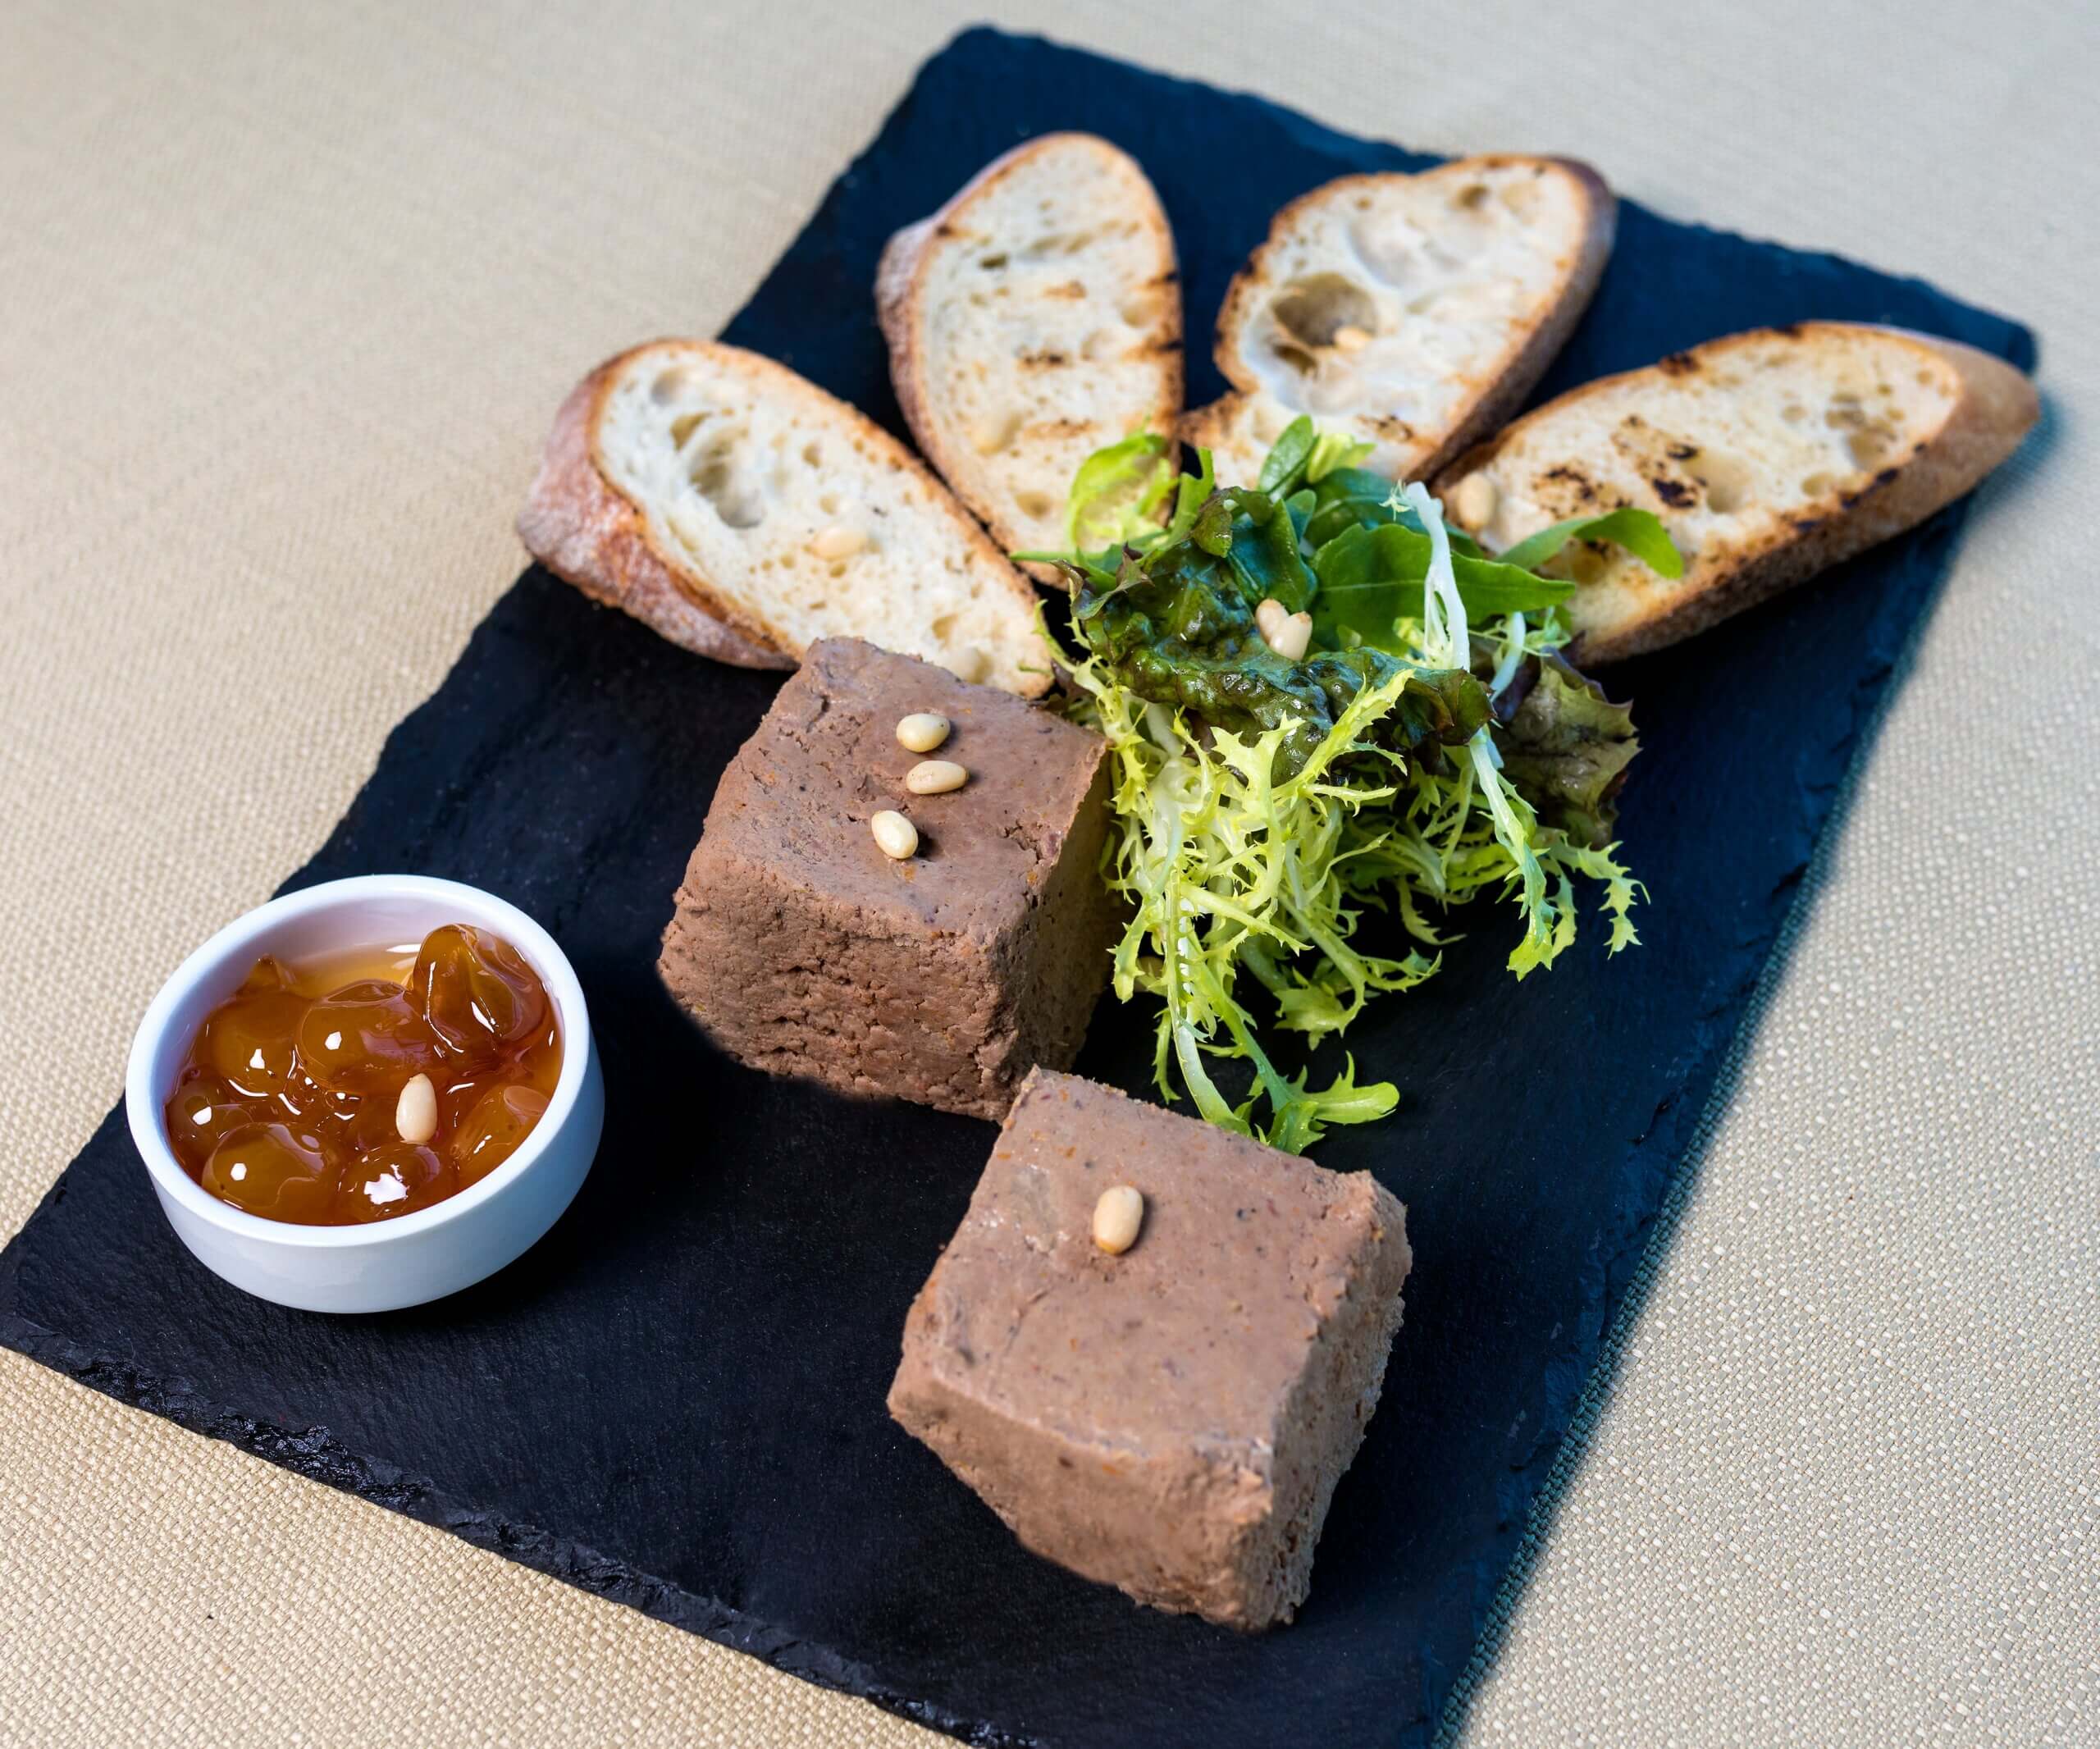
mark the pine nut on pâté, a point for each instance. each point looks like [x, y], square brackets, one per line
[415, 1112]
[1116, 1218]
[935, 777]
[922, 731]
[895, 836]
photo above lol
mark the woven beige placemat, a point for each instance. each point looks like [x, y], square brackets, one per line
[289, 295]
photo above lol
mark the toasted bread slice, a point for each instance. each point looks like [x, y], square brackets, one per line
[1769, 456]
[585, 533]
[1032, 319]
[744, 513]
[1414, 312]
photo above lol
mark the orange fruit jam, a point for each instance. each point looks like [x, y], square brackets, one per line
[295, 1102]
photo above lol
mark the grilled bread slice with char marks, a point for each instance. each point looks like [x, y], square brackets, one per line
[1768, 456]
[1412, 312]
[1034, 318]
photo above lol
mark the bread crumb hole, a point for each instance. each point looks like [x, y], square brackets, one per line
[1727, 482]
[1032, 503]
[1310, 309]
[1816, 485]
[992, 433]
[992, 263]
[1793, 412]
[1522, 199]
[812, 454]
[1869, 446]
[683, 426]
[714, 476]
[668, 387]
[1471, 196]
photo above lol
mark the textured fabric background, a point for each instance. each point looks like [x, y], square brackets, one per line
[289, 297]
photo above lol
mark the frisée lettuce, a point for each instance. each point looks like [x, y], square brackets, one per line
[1431, 746]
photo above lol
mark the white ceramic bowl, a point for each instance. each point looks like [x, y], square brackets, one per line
[414, 1257]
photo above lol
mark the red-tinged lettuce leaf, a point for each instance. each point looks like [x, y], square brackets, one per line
[1177, 626]
[1565, 748]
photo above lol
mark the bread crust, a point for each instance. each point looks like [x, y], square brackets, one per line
[1505, 384]
[1206, 428]
[587, 534]
[585, 529]
[900, 283]
[1997, 407]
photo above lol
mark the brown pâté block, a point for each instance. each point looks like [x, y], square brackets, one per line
[802, 949]
[1172, 1420]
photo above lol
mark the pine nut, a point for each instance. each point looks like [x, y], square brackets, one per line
[1475, 499]
[1116, 1218]
[415, 1112]
[935, 777]
[922, 731]
[1289, 635]
[1351, 338]
[839, 542]
[895, 836]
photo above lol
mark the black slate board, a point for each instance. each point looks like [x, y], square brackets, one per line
[676, 1398]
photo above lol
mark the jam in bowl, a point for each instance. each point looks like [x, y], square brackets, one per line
[369, 1084]
[342, 1127]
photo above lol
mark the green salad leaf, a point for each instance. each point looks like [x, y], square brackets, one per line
[1229, 869]
[1640, 532]
[1345, 497]
[1177, 624]
[1335, 449]
[1114, 491]
[1303, 456]
[1283, 470]
[1372, 577]
[1430, 746]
